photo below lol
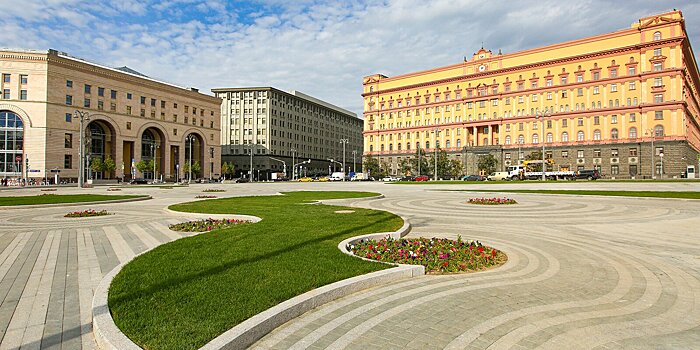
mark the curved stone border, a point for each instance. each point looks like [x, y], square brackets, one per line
[196, 216]
[109, 337]
[34, 206]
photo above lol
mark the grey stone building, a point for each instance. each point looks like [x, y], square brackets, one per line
[285, 128]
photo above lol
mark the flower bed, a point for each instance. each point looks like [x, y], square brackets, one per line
[86, 213]
[213, 190]
[204, 196]
[492, 201]
[438, 255]
[113, 189]
[206, 225]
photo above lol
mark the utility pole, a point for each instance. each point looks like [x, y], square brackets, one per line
[437, 131]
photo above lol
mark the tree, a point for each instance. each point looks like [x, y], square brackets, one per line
[227, 169]
[196, 168]
[443, 164]
[456, 168]
[96, 165]
[419, 159]
[371, 165]
[487, 163]
[108, 165]
[535, 155]
[143, 166]
[405, 166]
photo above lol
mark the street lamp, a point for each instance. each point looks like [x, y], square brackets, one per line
[84, 117]
[354, 153]
[344, 142]
[284, 165]
[650, 132]
[154, 148]
[437, 131]
[661, 155]
[252, 147]
[190, 138]
[308, 161]
[539, 115]
[294, 168]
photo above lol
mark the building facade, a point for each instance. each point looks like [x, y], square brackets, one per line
[131, 117]
[625, 103]
[290, 127]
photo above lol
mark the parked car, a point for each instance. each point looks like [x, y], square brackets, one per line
[588, 174]
[323, 179]
[473, 178]
[408, 178]
[241, 180]
[390, 179]
[138, 181]
[422, 178]
[305, 179]
[498, 176]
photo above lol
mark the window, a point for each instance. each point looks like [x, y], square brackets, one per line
[68, 141]
[579, 92]
[113, 107]
[659, 131]
[596, 135]
[23, 79]
[88, 88]
[535, 138]
[596, 120]
[596, 90]
[631, 70]
[565, 136]
[659, 115]
[128, 96]
[580, 121]
[69, 100]
[128, 125]
[6, 94]
[565, 154]
[596, 76]
[550, 137]
[633, 85]
[658, 98]
[508, 140]
[521, 139]
[633, 117]
[596, 153]
[614, 153]
[633, 152]
[100, 105]
[657, 36]
[67, 161]
[23, 95]
[613, 73]
[6, 78]
[69, 83]
[579, 136]
[143, 100]
[658, 82]
[563, 80]
[86, 103]
[614, 170]
[614, 134]
[162, 104]
[613, 119]
[579, 78]
[658, 66]
[613, 87]
[564, 123]
[100, 91]
[579, 154]
[633, 133]
[128, 110]
[153, 102]
[69, 117]
[113, 94]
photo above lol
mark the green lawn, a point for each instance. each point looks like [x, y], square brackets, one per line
[185, 293]
[656, 194]
[60, 198]
[457, 182]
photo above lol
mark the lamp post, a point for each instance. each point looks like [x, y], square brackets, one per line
[294, 168]
[154, 148]
[190, 138]
[437, 131]
[284, 164]
[650, 132]
[344, 142]
[354, 153]
[419, 157]
[26, 169]
[661, 155]
[252, 147]
[537, 116]
[84, 117]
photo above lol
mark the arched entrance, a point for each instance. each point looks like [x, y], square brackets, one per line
[152, 145]
[99, 145]
[11, 144]
[194, 154]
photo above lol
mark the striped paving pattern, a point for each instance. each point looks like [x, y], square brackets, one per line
[583, 273]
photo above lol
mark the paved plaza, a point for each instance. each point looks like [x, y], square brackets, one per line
[583, 271]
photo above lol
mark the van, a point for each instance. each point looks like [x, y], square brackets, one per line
[337, 176]
[498, 176]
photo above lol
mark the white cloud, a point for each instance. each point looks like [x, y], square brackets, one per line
[323, 48]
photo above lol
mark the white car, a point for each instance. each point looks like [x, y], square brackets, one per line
[390, 179]
[498, 176]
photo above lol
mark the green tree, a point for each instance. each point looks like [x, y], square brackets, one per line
[371, 165]
[196, 168]
[143, 166]
[419, 159]
[487, 163]
[443, 164]
[456, 168]
[535, 155]
[405, 166]
[96, 165]
[227, 169]
[108, 166]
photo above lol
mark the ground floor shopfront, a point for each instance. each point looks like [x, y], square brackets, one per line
[662, 158]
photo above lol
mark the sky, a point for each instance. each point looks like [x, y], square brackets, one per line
[322, 48]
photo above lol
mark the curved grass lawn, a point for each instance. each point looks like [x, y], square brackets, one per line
[60, 198]
[183, 294]
[652, 194]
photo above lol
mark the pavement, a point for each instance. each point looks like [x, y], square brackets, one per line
[583, 271]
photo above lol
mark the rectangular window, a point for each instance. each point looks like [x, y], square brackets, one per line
[658, 67]
[658, 82]
[579, 78]
[633, 152]
[596, 120]
[633, 117]
[128, 110]
[613, 87]
[143, 100]
[87, 88]
[565, 154]
[6, 94]
[6, 78]
[23, 95]
[596, 153]
[579, 92]
[128, 96]
[113, 107]
[580, 121]
[113, 94]
[596, 90]
[67, 161]
[613, 119]
[100, 91]
[564, 123]
[23, 79]
[658, 115]
[614, 170]
[633, 85]
[69, 83]
[68, 141]
[596, 76]
[162, 104]
[613, 73]
[69, 99]
[69, 117]
[128, 125]
[175, 132]
[100, 105]
[631, 71]
[614, 153]
[86, 103]
[580, 153]
[153, 102]
[658, 98]
[143, 112]
[657, 52]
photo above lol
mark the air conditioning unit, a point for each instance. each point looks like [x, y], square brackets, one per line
[614, 160]
[580, 161]
[507, 162]
[632, 160]
[596, 161]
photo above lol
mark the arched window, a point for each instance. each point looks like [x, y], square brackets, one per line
[371, 148]
[11, 144]
[508, 140]
[408, 146]
[427, 144]
[399, 146]
[633, 133]
[659, 131]
[417, 145]
[371, 89]
[579, 136]
[447, 144]
[486, 141]
[521, 139]
[535, 138]
[550, 137]
[657, 36]
[564, 136]
[596, 134]
[391, 146]
[614, 134]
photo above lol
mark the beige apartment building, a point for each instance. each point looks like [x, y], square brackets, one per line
[284, 128]
[130, 117]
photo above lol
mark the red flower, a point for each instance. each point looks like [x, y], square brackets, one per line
[481, 249]
[445, 264]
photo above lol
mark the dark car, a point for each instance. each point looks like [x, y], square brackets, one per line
[422, 178]
[588, 174]
[473, 178]
[407, 178]
[138, 181]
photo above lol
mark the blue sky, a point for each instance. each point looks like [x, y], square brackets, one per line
[322, 48]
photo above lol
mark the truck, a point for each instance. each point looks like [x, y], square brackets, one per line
[360, 177]
[523, 171]
[337, 176]
[278, 176]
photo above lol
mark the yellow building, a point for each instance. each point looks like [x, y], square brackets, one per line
[604, 100]
[131, 118]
